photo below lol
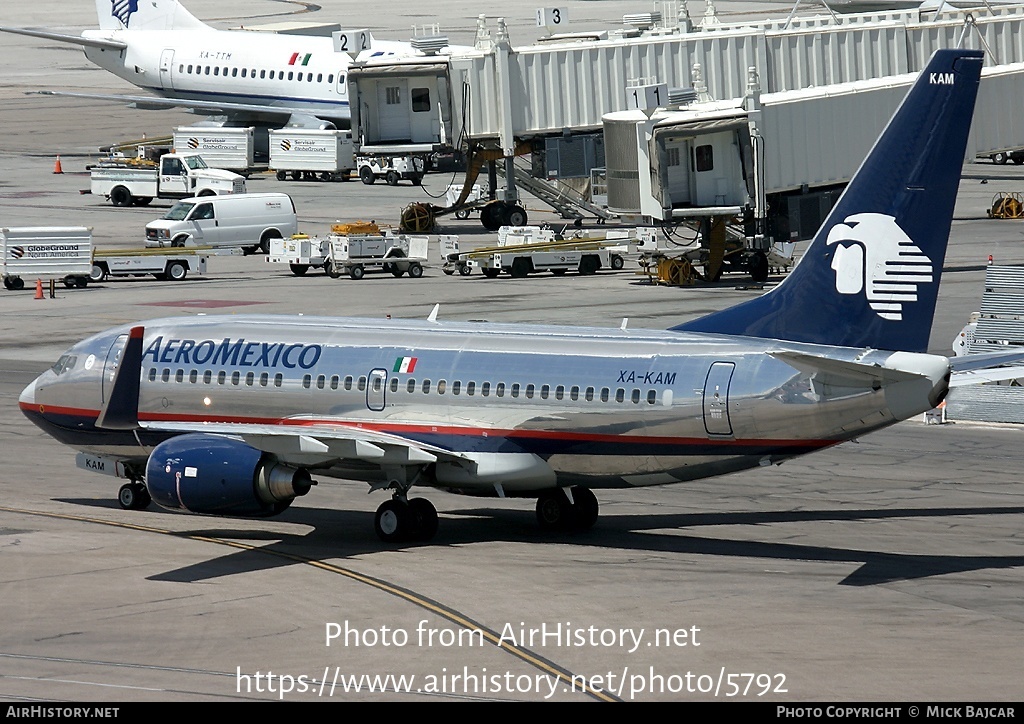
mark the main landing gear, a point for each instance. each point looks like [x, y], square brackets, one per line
[133, 496]
[401, 519]
[567, 509]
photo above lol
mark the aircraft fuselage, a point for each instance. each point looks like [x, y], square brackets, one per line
[604, 408]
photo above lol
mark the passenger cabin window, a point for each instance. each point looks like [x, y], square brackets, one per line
[441, 387]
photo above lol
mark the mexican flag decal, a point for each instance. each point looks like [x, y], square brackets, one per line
[405, 364]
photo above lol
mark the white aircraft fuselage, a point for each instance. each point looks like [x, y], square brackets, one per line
[231, 66]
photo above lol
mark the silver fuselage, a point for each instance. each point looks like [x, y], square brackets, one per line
[604, 408]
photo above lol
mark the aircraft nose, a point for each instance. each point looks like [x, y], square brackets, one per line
[28, 395]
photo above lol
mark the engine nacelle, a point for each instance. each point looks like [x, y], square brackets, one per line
[203, 473]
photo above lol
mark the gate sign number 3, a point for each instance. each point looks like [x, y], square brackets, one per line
[647, 96]
[552, 16]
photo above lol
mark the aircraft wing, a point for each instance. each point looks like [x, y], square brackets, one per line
[855, 372]
[306, 445]
[204, 107]
[104, 43]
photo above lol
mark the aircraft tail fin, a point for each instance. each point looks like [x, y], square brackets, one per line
[146, 15]
[870, 276]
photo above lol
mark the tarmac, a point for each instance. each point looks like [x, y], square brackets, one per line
[888, 569]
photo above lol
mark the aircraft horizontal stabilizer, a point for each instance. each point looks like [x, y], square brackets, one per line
[857, 373]
[72, 39]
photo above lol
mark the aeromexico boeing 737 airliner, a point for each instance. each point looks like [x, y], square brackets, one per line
[249, 77]
[236, 415]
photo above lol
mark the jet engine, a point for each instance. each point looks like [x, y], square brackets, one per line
[203, 473]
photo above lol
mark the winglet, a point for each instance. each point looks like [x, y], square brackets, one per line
[870, 277]
[432, 317]
[120, 411]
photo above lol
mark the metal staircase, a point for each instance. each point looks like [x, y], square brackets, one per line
[568, 202]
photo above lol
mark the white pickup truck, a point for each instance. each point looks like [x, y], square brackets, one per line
[136, 182]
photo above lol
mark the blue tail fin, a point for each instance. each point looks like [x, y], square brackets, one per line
[871, 275]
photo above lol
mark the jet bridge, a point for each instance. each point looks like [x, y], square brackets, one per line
[496, 101]
[777, 158]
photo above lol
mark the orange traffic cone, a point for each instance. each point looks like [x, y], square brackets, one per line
[56, 166]
[39, 288]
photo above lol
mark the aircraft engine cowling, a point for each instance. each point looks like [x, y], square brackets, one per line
[203, 473]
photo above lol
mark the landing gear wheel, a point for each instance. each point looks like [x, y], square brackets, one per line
[392, 178]
[367, 176]
[393, 521]
[133, 496]
[586, 507]
[553, 510]
[424, 516]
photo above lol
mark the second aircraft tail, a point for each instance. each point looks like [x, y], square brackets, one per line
[145, 15]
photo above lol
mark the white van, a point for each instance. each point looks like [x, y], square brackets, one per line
[248, 221]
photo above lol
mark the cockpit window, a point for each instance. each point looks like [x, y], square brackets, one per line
[64, 364]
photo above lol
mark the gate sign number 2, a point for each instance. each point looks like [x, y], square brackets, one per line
[352, 41]
[647, 96]
[547, 17]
